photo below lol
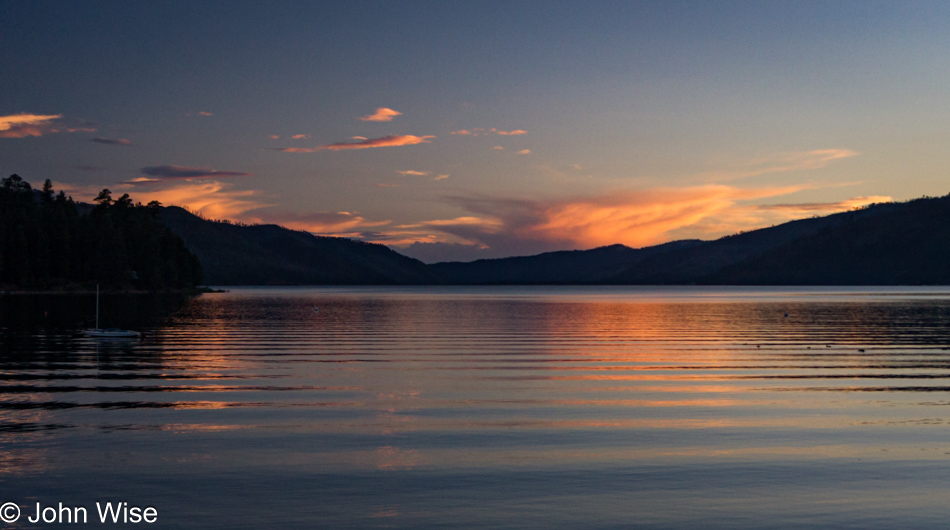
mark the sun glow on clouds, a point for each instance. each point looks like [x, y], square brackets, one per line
[361, 143]
[24, 125]
[338, 224]
[381, 114]
[638, 219]
[212, 199]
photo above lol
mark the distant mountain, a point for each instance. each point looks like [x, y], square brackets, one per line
[564, 267]
[232, 254]
[698, 264]
[883, 244]
[889, 244]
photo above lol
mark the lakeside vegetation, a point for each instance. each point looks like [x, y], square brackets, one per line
[49, 242]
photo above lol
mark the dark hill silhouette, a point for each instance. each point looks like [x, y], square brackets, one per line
[695, 264]
[272, 255]
[563, 267]
[891, 243]
[900, 244]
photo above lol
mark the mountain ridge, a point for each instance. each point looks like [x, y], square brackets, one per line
[892, 245]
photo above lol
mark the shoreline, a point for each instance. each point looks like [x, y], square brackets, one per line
[21, 292]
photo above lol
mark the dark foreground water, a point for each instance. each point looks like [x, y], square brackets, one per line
[486, 407]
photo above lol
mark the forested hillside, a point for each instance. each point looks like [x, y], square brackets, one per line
[234, 254]
[903, 244]
[46, 242]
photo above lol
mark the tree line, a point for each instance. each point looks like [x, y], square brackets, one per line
[49, 241]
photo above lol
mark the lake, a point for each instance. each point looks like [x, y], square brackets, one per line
[478, 407]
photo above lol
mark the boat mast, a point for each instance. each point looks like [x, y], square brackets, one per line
[97, 306]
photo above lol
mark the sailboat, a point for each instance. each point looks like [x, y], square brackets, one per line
[108, 333]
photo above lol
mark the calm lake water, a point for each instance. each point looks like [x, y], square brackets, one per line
[505, 407]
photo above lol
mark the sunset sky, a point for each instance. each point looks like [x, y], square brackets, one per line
[459, 130]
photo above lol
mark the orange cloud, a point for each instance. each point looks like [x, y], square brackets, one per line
[203, 113]
[821, 207]
[381, 114]
[462, 132]
[524, 152]
[300, 136]
[365, 143]
[511, 133]
[441, 177]
[412, 172]
[637, 219]
[338, 224]
[24, 125]
[498, 148]
[213, 199]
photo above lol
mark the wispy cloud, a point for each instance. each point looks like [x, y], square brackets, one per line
[203, 113]
[162, 173]
[381, 114]
[823, 207]
[213, 199]
[337, 224]
[505, 227]
[524, 152]
[478, 131]
[441, 177]
[777, 163]
[413, 172]
[112, 141]
[751, 216]
[498, 148]
[300, 136]
[361, 143]
[24, 125]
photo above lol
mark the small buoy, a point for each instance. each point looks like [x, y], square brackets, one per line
[786, 315]
[316, 309]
